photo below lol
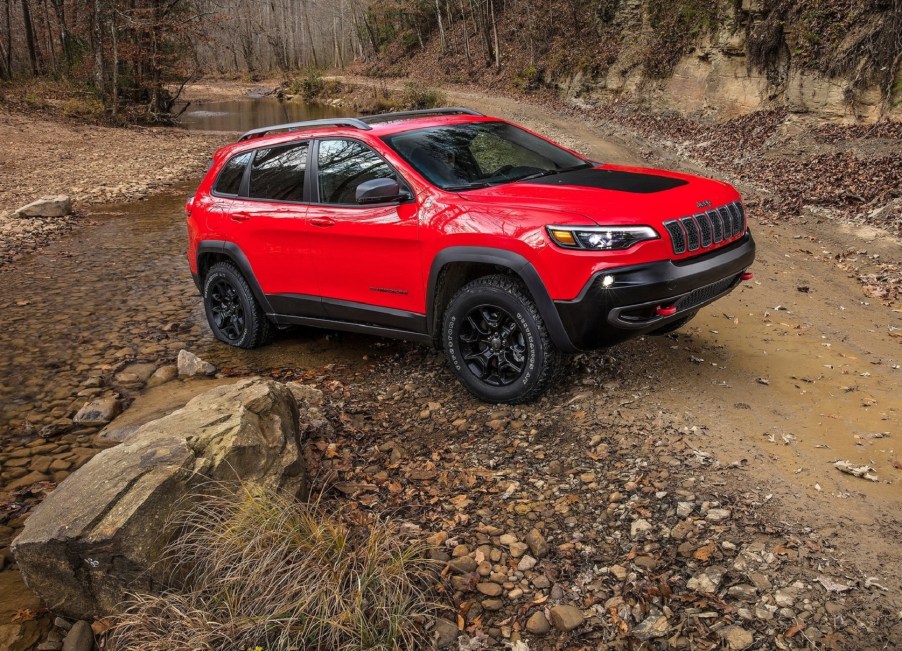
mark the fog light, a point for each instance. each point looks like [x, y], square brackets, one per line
[607, 281]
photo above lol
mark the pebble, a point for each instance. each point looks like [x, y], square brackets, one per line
[489, 589]
[736, 637]
[517, 549]
[526, 563]
[538, 624]
[639, 526]
[717, 515]
[537, 543]
[79, 638]
[653, 626]
[566, 617]
[445, 633]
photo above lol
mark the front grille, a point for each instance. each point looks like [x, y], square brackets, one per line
[707, 229]
[704, 294]
[677, 238]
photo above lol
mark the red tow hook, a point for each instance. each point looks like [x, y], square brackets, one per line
[668, 310]
[746, 275]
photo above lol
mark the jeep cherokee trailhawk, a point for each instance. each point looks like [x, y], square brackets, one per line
[459, 230]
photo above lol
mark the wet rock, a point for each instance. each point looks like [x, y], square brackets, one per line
[445, 633]
[110, 513]
[537, 544]
[98, 412]
[58, 206]
[79, 638]
[736, 637]
[566, 617]
[190, 365]
[163, 375]
[538, 624]
[653, 626]
[26, 480]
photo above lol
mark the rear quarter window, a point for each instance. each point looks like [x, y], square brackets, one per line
[229, 180]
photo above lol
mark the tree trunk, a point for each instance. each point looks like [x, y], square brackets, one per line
[97, 33]
[6, 48]
[441, 26]
[29, 38]
[59, 8]
[495, 35]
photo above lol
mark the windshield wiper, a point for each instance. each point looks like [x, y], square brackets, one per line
[468, 186]
[539, 175]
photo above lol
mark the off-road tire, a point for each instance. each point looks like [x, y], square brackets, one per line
[541, 360]
[255, 328]
[672, 327]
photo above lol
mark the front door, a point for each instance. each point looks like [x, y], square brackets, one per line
[366, 257]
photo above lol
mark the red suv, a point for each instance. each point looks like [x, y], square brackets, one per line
[459, 230]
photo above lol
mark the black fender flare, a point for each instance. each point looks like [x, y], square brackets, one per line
[509, 260]
[234, 253]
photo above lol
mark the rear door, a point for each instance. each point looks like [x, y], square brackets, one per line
[366, 258]
[270, 226]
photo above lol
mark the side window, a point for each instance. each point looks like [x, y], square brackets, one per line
[345, 164]
[229, 180]
[277, 173]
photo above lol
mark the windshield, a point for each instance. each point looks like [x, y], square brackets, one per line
[480, 154]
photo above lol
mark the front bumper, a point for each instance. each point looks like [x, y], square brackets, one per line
[603, 316]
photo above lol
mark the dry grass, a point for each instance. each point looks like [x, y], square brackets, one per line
[260, 570]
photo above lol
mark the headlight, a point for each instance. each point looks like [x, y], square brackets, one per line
[600, 238]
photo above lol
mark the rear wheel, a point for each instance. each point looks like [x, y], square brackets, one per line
[234, 315]
[497, 343]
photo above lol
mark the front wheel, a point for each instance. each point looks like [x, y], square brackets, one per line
[497, 342]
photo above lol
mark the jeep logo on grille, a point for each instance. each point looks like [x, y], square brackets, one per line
[703, 204]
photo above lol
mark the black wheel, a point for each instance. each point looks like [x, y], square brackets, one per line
[497, 343]
[232, 311]
[672, 327]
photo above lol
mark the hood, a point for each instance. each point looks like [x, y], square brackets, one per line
[610, 194]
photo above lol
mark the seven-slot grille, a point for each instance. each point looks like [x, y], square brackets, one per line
[701, 231]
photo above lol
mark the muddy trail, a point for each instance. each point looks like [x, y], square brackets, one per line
[758, 396]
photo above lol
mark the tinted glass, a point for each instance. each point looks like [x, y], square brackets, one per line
[229, 180]
[345, 164]
[277, 173]
[476, 155]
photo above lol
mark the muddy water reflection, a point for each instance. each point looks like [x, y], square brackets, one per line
[248, 113]
[114, 291]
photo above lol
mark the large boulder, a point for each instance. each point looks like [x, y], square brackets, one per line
[46, 207]
[99, 535]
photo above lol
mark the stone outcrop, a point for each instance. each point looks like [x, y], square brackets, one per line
[59, 206]
[99, 534]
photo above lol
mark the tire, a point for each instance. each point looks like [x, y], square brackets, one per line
[672, 327]
[497, 343]
[233, 313]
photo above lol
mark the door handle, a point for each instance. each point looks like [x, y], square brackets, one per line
[322, 222]
[240, 216]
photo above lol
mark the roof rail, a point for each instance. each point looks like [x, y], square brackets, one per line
[310, 124]
[402, 115]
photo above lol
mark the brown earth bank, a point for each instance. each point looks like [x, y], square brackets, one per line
[682, 489]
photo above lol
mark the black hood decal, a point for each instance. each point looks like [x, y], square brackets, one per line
[612, 180]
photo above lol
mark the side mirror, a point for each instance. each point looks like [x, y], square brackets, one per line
[380, 191]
